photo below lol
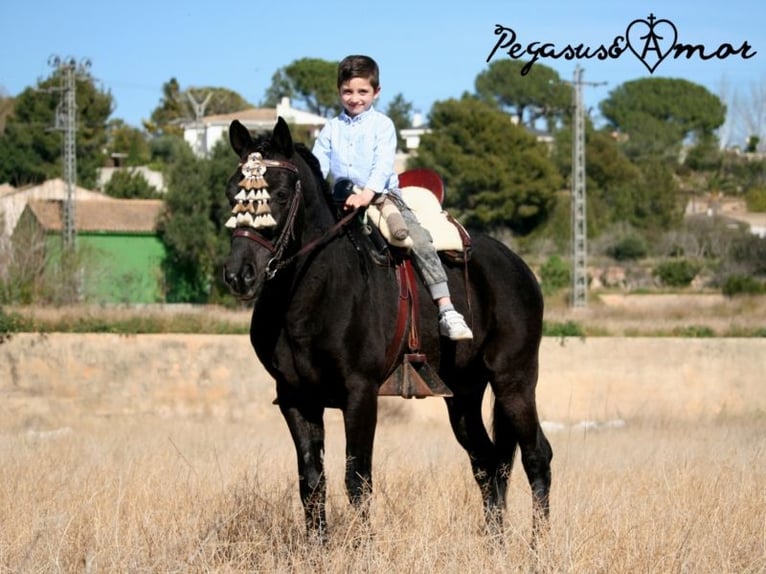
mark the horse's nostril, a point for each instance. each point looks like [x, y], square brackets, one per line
[240, 279]
[248, 273]
[233, 280]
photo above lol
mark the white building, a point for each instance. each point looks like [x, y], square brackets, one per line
[202, 135]
[411, 135]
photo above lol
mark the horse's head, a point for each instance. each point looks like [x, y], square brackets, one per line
[265, 194]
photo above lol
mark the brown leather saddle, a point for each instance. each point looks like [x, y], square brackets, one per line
[413, 376]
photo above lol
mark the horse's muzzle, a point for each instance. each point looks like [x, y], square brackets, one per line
[243, 281]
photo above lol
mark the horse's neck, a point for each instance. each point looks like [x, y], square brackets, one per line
[319, 215]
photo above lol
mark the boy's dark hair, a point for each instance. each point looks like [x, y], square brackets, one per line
[358, 67]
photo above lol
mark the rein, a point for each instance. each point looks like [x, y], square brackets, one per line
[277, 262]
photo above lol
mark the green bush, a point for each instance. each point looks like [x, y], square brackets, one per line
[677, 272]
[696, 331]
[629, 248]
[565, 329]
[755, 198]
[127, 184]
[9, 323]
[554, 274]
[742, 285]
[749, 252]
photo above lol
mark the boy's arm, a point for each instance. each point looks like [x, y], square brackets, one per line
[384, 154]
[322, 148]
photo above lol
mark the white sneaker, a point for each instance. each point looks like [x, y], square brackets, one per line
[453, 326]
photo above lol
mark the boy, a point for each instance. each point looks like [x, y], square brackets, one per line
[360, 145]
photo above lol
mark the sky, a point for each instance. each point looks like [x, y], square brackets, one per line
[427, 52]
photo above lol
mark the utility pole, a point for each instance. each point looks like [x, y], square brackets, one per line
[66, 121]
[579, 219]
[199, 113]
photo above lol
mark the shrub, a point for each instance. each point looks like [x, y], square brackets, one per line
[554, 274]
[128, 184]
[565, 329]
[630, 247]
[742, 285]
[695, 331]
[749, 251]
[755, 197]
[9, 323]
[677, 272]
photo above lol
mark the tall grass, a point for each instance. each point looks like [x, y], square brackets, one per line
[150, 494]
[94, 319]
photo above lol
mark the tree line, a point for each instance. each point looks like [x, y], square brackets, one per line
[657, 143]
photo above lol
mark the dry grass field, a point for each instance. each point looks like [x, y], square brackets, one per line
[207, 494]
[617, 314]
[200, 491]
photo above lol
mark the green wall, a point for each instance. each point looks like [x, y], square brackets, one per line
[118, 268]
[129, 267]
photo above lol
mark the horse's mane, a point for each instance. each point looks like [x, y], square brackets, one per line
[316, 169]
[264, 146]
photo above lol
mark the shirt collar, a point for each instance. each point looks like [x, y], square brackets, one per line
[349, 120]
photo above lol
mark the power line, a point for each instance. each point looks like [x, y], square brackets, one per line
[579, 219]
[199, 112]
[66, 120]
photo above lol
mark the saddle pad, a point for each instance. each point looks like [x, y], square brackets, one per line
[431, 216]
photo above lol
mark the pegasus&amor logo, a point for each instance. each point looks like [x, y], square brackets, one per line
[651, 41]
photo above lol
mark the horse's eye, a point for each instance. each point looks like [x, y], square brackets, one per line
[280, 194]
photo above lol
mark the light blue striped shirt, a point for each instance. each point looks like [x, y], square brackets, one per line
[361, 149]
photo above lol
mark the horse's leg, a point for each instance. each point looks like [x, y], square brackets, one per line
[360, 419]
[515, 421]
[468, 426]
[307, 430]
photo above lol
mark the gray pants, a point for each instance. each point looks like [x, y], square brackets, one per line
[423, 252]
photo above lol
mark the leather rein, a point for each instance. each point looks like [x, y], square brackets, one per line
[278, 247]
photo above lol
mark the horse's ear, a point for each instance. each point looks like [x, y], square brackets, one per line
[282, 139]
[239, 137]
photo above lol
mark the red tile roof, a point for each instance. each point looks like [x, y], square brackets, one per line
[116, 216]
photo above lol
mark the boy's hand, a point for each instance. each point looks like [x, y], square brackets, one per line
[361, 199]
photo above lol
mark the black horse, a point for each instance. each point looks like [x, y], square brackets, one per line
[324, 317]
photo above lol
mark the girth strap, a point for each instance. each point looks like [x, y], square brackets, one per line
[414, 307]
[408, 304]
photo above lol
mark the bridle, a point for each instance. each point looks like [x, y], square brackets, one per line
[277, 248]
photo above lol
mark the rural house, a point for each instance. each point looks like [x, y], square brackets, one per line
[203, 134]
[120, 252]
[14, 199]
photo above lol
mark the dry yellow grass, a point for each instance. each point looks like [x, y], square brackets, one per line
[621, 314]
[150, 494]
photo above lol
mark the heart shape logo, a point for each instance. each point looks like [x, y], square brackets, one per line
[651, 40]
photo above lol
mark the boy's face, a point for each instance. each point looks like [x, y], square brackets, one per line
[357, 95]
